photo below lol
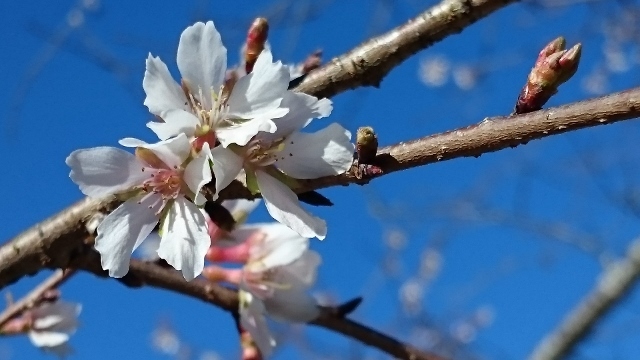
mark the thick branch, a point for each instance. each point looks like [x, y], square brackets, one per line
[144, 273]
[367, 64]
[614, 283]
[52, 242]
[55, 240]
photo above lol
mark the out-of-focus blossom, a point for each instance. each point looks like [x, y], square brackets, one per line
[49, 326]
[434, 71]
[279, 269]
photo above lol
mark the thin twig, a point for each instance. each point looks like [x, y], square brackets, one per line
[612, 286]
[35, 296]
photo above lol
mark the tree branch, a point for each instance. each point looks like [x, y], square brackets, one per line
[489, 135]
[143, 273]
[614, 283]
[55, 240]
[367, 64]
[35, 295]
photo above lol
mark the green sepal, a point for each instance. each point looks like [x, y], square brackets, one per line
[252, 183]
[292, 183]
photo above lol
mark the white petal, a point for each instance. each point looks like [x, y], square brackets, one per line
[131, 142]
[163, 93]
[241, 208]
[241, 134]
[48, 338]
[253, 320]
[175, 122]
[292, 305]
[102, 171]
[304, 270]
[226, 166]
[173, 152]
[283, 205]
[324, 153]
[261, 90]
[198, 173]
[58, 316]
[281, 246]
[202, 59]
[185, 239]
[292, 302]
[121, 230]
[302, 108]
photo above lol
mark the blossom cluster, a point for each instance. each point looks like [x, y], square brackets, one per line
[277, 270]
[212, 129]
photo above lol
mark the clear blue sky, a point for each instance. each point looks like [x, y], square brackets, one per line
[87, 92]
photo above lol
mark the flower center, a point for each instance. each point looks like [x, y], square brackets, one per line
[163, 184]
[262, 153]
[214, 116]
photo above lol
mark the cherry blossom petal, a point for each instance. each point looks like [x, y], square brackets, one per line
[202, 60]
[302, 109]
[241, 208]
[253, 320]
[292, 302]
[102, 171]
[132, 142]
[45, 339]
[324, 153]
[260, 91]
[163, 93]
[60, 314]
[175, 122]
[305, 268]
[283, 205]
[241, 134]
[173, 152]
[226, 167]
[281, 246]
[198, 173]
[122, 230]
[185, 239]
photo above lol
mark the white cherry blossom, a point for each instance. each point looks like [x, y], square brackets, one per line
[272, 161]
[52, 324]
[275, 281]
[158, 185]
[204, 106]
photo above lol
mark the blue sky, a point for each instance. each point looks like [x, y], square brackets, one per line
[87, 92]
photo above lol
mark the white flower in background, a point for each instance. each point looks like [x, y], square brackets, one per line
[272, 162]
[52, 324]
[204, 106]
[275, 281]
[253, 320]
[157, 181]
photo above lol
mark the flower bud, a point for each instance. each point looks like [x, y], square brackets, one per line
[554, 66]
[366, 144]
[256, 38]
